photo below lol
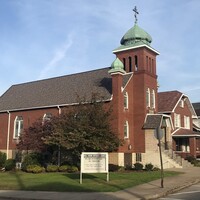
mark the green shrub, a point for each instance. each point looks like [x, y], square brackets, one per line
[2, 159]
[72, 169]
[34, 169]
[63, 168]
[156, 169]
[10, 164]
[149, 167]
[113, 168]
[138, 166]
[52, 168]
[30, 159]
[190, 158]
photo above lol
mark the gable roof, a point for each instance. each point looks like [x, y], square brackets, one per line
[168, 100]
[62, 90]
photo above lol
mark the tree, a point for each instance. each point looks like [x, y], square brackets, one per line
[84, 128]
[81, 128]
[32, 137]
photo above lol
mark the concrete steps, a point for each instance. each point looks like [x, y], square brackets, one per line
[176, 160]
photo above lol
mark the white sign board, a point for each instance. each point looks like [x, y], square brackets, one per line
[94, 162]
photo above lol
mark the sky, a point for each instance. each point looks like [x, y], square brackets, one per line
[42, 39]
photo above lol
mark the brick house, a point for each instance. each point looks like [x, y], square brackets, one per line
[196, 121]
[129, 86]
[185, 141]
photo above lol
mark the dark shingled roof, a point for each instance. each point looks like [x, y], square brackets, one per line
[152, 121]
[197, 108]
[168, 100]
[59, 91]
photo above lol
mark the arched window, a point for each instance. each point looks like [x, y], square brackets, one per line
[147, 61]
[148, 97]
[126, 130]
[153, 99]
[130, 64]
[18, 126]
[136, 63]
[126, 100]
[124, 62]
[47, 117]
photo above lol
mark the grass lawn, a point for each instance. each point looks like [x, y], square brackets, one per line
[65, 182]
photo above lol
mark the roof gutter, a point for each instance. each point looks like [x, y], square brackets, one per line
[50, 106]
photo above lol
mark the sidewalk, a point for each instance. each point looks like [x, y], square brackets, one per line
[151, 190]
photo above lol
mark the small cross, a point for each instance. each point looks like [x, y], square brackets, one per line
[136, 12]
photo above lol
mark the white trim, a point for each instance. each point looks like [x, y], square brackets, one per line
[143, 45]
[50, 106]
[8, 135]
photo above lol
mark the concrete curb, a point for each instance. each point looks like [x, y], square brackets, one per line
[171, 191]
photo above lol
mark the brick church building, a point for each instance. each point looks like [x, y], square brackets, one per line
[129, 86]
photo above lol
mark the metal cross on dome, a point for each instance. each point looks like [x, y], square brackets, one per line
[136, 13]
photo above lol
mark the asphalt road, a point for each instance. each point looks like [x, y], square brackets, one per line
[190, 193]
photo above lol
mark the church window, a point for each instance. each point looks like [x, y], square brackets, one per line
[136, 63]
[47, 117]
[130, 64]
[152, 65]
[147, 59]
[138, 157]
[18, 126]
[124, 62]
[126, 100]
[148, 97]
[126, 130]
[153, 99]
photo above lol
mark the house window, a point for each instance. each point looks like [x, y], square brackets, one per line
[187, 122]
[148, 97]
[18, 126]
[130, 64]
[47, 117]
[126, 100]
[138, 157]
[153, 99]
[177, 120]
[126, 130]
[182, 103]
[136, 63]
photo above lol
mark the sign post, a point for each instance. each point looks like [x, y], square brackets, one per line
[158, 135]
[94, 162]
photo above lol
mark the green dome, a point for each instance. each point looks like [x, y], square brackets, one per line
[136, 36]
[117, 66]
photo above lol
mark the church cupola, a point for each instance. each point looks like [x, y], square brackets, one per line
[117, 67]
[135, 51]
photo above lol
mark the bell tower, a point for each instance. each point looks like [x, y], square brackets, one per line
[139, 59]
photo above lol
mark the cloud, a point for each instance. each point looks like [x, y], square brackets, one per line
[59, 55]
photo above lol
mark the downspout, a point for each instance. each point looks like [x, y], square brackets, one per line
[59, 110]
[59, 149]
[8, 134]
